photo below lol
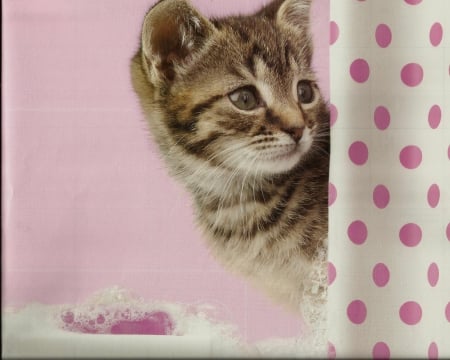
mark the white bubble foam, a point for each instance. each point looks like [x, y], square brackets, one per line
[85, 330]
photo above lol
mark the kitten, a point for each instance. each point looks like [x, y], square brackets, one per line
[234, 106]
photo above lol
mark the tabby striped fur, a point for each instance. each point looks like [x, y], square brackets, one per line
[260, 193]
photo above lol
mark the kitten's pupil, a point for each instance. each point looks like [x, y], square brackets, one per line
[305, 92]
[244, 98]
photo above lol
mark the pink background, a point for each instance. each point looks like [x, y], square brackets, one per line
[87, 203]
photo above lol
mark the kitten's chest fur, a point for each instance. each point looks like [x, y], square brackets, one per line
[273, 232]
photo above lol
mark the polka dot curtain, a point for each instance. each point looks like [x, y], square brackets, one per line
[389, 262]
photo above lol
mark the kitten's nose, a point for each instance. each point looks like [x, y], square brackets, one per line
[296, 133]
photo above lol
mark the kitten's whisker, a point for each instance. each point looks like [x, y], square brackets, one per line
[255, 158]
[321, 135]
[224, 194]
[206, 170]
[221, 153]
[174, 146]
[254, 183]
[315, 147]
[222, 199]
[224, 171]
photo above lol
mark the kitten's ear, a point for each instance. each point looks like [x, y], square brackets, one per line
[294, 13]
[172, 33]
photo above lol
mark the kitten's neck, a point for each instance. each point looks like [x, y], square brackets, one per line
[239, 202]
[221, 186]
[230, 189]
[236, 209]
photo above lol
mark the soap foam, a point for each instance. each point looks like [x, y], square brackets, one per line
[116, 312]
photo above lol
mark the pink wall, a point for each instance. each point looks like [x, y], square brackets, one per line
[87, 202]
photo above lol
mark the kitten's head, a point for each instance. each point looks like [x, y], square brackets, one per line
[237, 93]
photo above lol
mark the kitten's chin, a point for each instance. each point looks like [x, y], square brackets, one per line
[280, 162]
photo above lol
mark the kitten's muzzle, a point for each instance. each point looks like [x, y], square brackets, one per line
[295, 133]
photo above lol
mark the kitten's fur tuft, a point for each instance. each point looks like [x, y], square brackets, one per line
[258, 176]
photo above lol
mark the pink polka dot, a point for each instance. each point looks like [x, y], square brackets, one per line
[447, 312]
[380, 275]
[332, 194]
[410, 235]
[382, 118]
[433, 351]
[383, 35]
[333, 114]
[410, 313]
[381, 351]
[436, 34]
[413, 2]
[334, 32]
[381, 196]
[359, 70]
[411, 156]
[412, 74]
[434, 116]
[357, 232]
[433, 274]
[358, 153]
[331, 273]
[447, 232]
[331, 351]
[433, 195]
[357, 312]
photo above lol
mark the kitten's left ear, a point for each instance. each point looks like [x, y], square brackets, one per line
[294, 13]
[172, 33]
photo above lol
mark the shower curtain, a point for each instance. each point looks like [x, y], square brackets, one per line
[389, 261]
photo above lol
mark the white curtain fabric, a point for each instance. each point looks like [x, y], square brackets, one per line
[389, 262]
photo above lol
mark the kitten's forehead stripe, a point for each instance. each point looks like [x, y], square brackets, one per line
[243, 33]
[263, 41]
[273, 62]
[250, 64]
[287, 52]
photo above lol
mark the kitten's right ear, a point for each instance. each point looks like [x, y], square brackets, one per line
[294, 13]
[172, 33]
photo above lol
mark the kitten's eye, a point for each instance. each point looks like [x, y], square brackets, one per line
[244, 98]
[305, 92]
